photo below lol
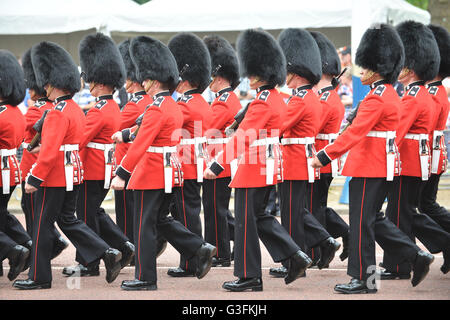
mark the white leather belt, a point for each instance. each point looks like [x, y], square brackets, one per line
[424, 152]
[327, 136]
[270, 157]
[68, 165]
[437, 148]
[108, 154]
[6, 171]
[199, 153]
[218, 141]
[391, 152]
[308, 142]
[289, 141]
[168, 171]
[413, 136]
[330, 137]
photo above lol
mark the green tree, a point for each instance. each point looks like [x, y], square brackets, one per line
[422, 4]
[141, 1]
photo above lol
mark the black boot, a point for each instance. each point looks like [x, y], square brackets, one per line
[29, 284]
[328, 249]
[445, 268]
[112, 258]
[127, 254]
[421, 267]
[18, 257]
[204, 257]
[59, 246]
[82, 271]
[344, 253]
[239, 285]
[354, 287]
[298, 264]
[135, 285]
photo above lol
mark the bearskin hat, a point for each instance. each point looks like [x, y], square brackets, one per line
[153, 60]
[223, 54]
[331, 64]
[381, 50]
[101, 61]
[188, 48]
[130, 68]
[53, 65]
[30, 78]
[302, 54]
[442, 37]
[12, 83]
[261, 56]
[421, 49]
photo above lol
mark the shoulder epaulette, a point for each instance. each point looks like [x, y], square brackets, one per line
[136, 99]
[158, 101]
[302, 93]
[264, 95]
[414, 91]
[39, 104]
[379, 90]
[100, 104]
[433, 90]
[186, 98]
[224, 97]
[325, 96]
[2, 108]
[61, 105]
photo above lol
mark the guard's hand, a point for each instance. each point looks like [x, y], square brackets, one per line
[208, 174]
[117, 183]
[117, 137]
[316, 164]
[29, 188]
[36, 150]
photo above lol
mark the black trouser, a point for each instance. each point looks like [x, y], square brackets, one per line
[55, 204]
[252, 224]
[273, 204]
[151, 214]
[124, 204]
[313, 206]
[401, 210]
[216, 199]
[188, 204]
[429, 206]
[11, 230]
[29, 207]
[368, 224]
[90, 197]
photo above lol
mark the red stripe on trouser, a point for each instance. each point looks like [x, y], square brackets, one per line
[360, 226]
[125, 213]
[398, 207]
[245, 237]
[37, 238]
[215, 218]
[139, 239]
[184, 213]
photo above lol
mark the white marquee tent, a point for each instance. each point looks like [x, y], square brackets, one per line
[25, 22]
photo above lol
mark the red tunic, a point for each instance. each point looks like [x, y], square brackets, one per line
[130, 112]
[379, 111]
[34, 113]
[102, 121]
[263, 119]
[12, 132]
[333, 112]
[301, 120]
[224, 108]
[441, 99]
[161, 119]
[417, 113]
[197, 115]
[64, 124]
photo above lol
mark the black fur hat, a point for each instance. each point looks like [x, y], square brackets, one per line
[30, 78]
[260, 55]
[222, 53]
[331, 64]
[101, 61]
[421, 49]
[124, 48]
[153, 60]
[381, 50]
[188, 48]
[442, 37]
[53, 65]
[302, 54]
[12, 83]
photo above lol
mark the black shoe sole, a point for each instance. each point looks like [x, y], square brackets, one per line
[277, 275]
[253, 289]
[445, 269]
[35, 287]
[399, 277]
[113, 268]
[14, 272]
[127, 260]
[89, 274]
[206, 270]
[363, 291]
[146, 288]
[180, 274]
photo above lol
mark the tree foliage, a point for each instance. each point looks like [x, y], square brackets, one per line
[422, 4]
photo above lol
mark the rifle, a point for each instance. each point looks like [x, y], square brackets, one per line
[335, 81]
[351, 117]
[237, 120]
[38, 127]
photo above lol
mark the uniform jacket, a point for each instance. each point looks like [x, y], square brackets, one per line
[12, 132]
[160, 120]
[379, 111]
[34, 113]
[64, 124]
[130, 112]
[224, 108]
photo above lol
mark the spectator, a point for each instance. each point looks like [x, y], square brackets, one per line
[244, 93]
